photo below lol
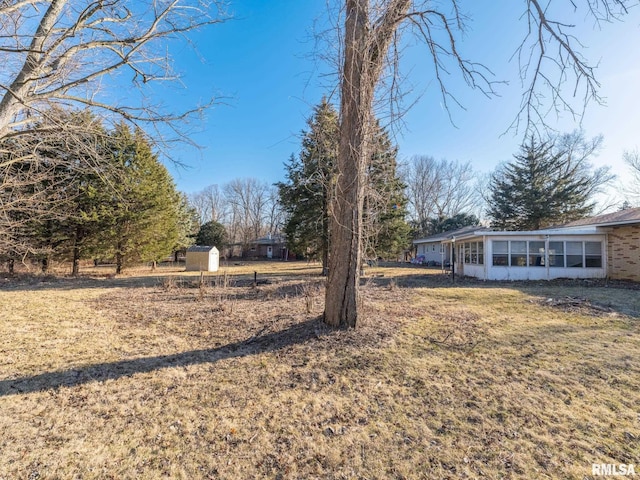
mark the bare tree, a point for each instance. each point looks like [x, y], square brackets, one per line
[210, 204]
[370, 28]
[369, 31]
[556, 75]
[40, 170]
[63, 52]
[249, 209]
[632, 188]
[274, 216]
[439, 189]
[579, 151]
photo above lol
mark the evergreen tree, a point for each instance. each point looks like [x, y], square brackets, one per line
[212, 234]
[441, 225]
[58, 184]
[188, 220]
[145, 203]
[386, 231]
[544, 186]
[305, 195]
[87, 213]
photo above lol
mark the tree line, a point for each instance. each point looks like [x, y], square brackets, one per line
[102, 193]
[97, 193]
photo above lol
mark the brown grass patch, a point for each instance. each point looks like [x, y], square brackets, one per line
[146, 377]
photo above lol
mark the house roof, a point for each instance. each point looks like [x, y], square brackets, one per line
[270, 240]
[583, 226]
[623, 217]
[587, 230]
[451, 233]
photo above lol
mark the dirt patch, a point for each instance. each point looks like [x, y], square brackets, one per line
[581, 305]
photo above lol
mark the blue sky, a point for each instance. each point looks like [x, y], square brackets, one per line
[260, 65]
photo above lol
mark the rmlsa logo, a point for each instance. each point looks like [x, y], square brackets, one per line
[612, 469]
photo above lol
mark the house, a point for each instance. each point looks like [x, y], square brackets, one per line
[271, 246]
[607, 246]
[623, 241]
[434, 251]
[534, 255]
[202, 259]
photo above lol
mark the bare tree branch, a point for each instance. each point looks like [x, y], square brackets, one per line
[632, 187]
[558, 77]
[66, 51]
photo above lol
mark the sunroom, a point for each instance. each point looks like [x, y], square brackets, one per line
[535, 255]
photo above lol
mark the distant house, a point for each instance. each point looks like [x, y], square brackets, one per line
[607, 246]
[271, 246]
[433, 250]
[202, 259]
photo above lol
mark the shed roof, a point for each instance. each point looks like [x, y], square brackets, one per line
[200, 248]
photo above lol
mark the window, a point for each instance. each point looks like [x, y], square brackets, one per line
[433, 247]
[518, 254]
[574, 254]
[536, 254]
[593, 254]
[556, 254]
[500, 253]
[474, 252]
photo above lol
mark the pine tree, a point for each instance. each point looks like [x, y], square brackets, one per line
[59, 182]
[545, 185]
[305, 195]
[212, 234]
[441, 225]
[145, 203]
[386, 231]
[188, 221]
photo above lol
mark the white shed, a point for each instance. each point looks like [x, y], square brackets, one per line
[202, 259]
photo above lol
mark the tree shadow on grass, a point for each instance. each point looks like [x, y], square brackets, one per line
[296, 334]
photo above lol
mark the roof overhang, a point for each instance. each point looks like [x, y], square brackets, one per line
[530, 233]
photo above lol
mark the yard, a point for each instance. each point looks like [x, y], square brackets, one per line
[160, 375]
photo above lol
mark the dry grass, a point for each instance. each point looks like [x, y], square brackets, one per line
[157, 376]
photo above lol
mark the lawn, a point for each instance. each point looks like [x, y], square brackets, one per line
[167, 375]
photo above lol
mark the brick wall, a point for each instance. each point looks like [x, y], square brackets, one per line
[624, 253]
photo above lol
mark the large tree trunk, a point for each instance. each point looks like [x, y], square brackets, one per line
[345, 217]
[365, 50]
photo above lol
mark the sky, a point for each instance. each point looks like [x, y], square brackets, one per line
[263, 68]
